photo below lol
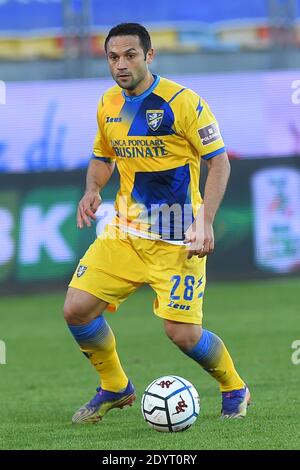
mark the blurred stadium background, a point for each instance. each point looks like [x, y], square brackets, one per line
[244, 59]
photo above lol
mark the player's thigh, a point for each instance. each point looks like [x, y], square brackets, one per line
[113, 253]
[113, 290]
[179, 284]
[110, 270]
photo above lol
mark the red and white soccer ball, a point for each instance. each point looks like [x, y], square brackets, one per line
[170, 404]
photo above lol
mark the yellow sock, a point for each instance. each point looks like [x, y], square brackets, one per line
[211, 353]
[97, 342]
[107, 363]
[223, 370]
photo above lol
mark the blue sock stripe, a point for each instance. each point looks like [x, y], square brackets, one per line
[90, 343]
[206, 348]
[92, 332]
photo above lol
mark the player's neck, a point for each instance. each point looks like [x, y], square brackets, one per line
[142, 86]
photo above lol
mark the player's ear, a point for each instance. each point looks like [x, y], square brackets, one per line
[149, 56]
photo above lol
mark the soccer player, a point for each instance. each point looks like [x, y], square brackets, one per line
[156, 132]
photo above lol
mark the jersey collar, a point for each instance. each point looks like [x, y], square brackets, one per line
[145, 93]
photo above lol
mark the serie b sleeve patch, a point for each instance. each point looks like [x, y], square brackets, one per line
[209, 134]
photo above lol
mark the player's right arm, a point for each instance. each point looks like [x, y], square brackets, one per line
[100, 169]
[98, 175]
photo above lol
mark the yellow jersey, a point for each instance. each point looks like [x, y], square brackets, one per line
[157, 139]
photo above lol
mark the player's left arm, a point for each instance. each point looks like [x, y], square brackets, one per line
[204, 135]
[215, 186]
[200, 235]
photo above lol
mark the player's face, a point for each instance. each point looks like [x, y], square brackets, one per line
[127, 62]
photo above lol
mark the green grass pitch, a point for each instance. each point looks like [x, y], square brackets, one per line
[46, 378]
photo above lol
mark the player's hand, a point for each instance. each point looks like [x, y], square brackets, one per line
[200, 240]
[87, 208]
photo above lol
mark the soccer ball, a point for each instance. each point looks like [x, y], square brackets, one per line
[170, 404]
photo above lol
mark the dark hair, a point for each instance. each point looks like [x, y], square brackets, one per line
[131, 29]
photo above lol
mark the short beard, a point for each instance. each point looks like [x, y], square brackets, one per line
[130, 87]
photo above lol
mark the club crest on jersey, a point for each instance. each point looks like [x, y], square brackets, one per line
[154, 118]
[81, 270]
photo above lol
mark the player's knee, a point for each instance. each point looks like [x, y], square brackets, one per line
[74, 312]
[70, 313]
[82, 307]
[184, 335]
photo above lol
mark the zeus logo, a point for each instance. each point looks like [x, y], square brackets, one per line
[113, 119]
[172, 304]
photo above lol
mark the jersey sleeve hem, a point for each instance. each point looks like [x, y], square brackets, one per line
[210, 155]
[102, 159]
